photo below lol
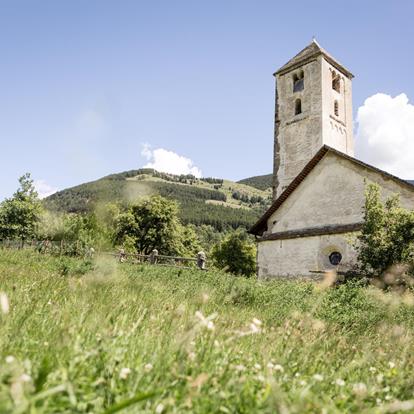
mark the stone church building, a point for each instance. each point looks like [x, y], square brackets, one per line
[318, 185]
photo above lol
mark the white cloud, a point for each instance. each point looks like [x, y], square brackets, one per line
[163, 160]
[43, 188]
[385, 135]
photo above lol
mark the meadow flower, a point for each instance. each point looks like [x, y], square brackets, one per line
[318, 377]
[340, 382]
[257, 366]
[191, 356]
[124, 373]
[159, 409]
[380, 378]
[388, 397]
[257, 322]
[391, 364]
[278, 368]
[360, 389]
[270, 365]
[4, 303]
[240, 368]
[9, 359]
[254, 328]
[207, 322]
[25, 378]
[372, 369]
[148, 367]
[260, 378]
[302, 383]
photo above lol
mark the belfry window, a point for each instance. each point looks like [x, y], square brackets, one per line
[298, 107]
[336, 108]
[298, 81]
[336, 82]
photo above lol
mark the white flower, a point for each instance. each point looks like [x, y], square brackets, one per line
[372, 369]
[360, 389]
[380, 378]
[261, 378]
[4, 303]
[148, 367]
[391, 364]
[9, 359]
[318, 377]
[240, 368]
[257, 322]
[124, 373]
[206, 321]
[25, 378]
[278, 367]
[254, 328]
[302, 382]
[270, 365]
[159, 409]
[192, 356]
[257, 366]
[340, 382]
[388, 397]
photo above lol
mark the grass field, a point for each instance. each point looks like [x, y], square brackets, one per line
[76, 338]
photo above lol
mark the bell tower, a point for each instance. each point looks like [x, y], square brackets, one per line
[313, 108]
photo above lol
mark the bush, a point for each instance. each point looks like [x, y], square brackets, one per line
[236, 253]
[387, 236]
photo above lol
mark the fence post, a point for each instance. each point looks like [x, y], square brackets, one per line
[201, 260]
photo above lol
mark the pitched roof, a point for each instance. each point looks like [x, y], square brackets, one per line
[261, 224]
[310, 52]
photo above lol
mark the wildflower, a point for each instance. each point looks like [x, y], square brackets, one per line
[260, 378]
[148, 367]
[9, 359]
[391, 364]
[25, 378]
[388, 397]
[4, 303]
[257, 366]
[380, 378]
[372, 369]
[254, 328]
[279, 368]
[159, 409]
[191, 356]
[318, 377]
[240, 368]
[207, 322]
[340, 382]
[270, 365]
[124, 373]
[360, 389]
[257, 322]
[302, 383]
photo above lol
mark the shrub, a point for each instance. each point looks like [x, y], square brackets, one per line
[236, 253]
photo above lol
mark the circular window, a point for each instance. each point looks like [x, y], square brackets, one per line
[335, 258]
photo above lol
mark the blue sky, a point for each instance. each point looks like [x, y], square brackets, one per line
[89, 88]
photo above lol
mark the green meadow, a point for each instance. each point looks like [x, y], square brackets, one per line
[104, 337]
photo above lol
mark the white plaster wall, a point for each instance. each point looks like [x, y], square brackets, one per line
[333, 193]
[337, 131]
[305, 256]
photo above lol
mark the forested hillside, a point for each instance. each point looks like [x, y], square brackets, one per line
[261, 182]
[211, 201]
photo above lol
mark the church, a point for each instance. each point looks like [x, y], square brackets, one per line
[318, 184]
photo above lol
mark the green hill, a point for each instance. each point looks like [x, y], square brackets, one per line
[212, 201]
[261, 182]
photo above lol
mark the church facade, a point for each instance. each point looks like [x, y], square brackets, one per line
[318, 185]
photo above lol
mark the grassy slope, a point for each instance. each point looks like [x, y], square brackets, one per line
[75, 335]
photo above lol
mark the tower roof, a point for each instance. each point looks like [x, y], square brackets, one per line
[311, 52]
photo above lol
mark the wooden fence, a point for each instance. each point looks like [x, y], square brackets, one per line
[74, 248]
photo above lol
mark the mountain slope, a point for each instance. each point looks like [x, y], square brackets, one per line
[261, 182]
[211, 201]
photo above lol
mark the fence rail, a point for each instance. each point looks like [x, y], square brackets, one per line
[63, 247]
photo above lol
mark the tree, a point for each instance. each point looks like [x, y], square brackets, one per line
[236, 253]
[153, 224]
[387, 236]
[20, 214]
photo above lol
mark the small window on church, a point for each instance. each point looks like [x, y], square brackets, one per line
[336, 82]
[298, 107]
[298, 81]
[336, 108]
[335, 258]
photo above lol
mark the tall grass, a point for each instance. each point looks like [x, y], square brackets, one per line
[82, 338]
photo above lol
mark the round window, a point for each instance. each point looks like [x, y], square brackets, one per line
[335, 258]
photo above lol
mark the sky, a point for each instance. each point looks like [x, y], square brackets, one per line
[90, 88]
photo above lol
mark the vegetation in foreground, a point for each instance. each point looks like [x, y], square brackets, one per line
[78, 337]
